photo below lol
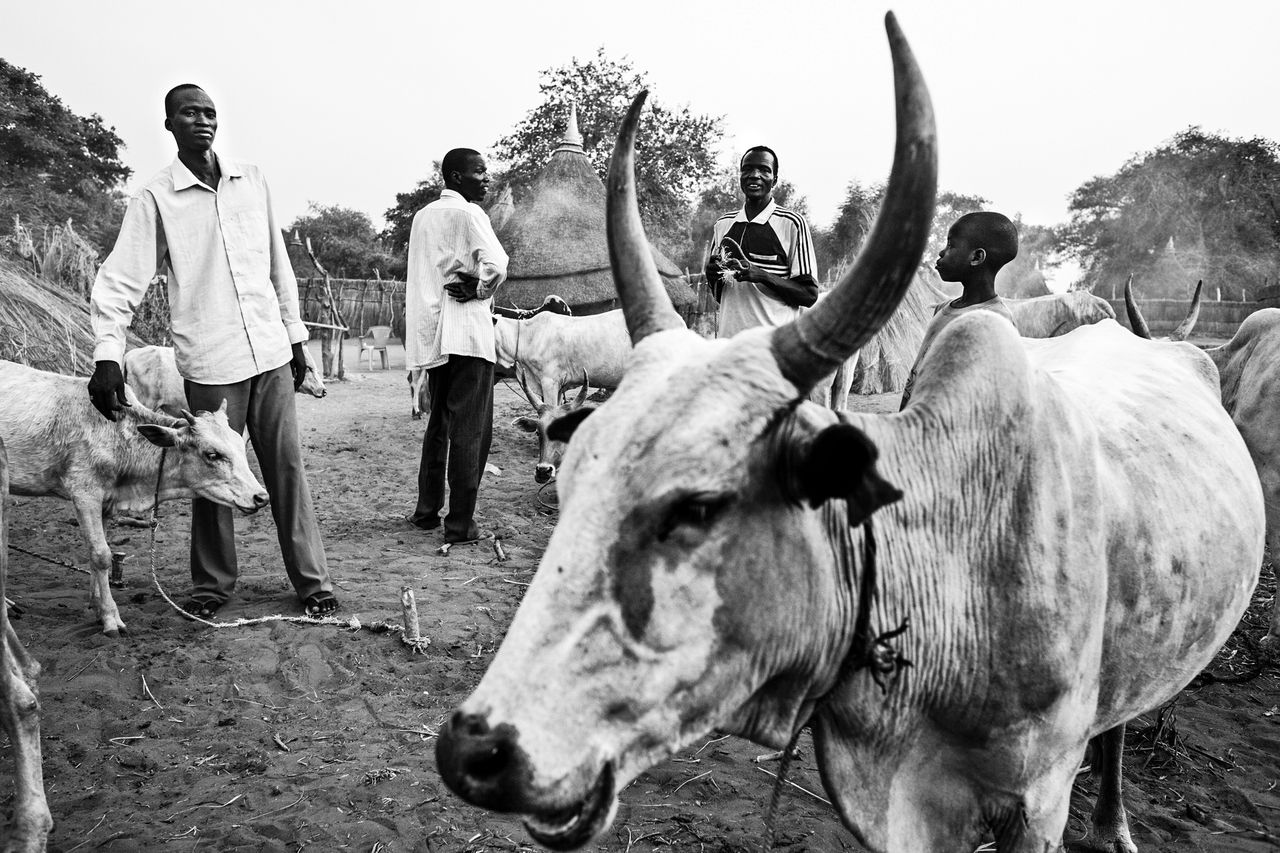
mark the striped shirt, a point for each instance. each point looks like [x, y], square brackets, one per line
[233, 300]
[777, 241]
[450, 236]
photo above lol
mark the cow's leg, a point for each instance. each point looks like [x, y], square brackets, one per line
[88, 509]
[1110, 829]
[20, 720]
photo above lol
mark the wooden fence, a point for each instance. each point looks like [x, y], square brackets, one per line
[362, 303]
[1217, 319]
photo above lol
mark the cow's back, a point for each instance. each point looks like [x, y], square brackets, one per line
[598, 344]
[52, 432]
[152, 371]
[1079, 529]
[1171, 469]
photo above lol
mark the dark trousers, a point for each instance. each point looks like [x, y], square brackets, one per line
[265, 404]
[456, 444]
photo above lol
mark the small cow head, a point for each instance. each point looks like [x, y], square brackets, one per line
[207, 459]
[312, 383]
[549, 449]
[699, 575]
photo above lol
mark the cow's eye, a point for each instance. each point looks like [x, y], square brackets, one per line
[213, 456]
[695, 511]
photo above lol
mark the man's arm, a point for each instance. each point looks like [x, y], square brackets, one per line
[286, 287]
[800, 291]
[118, 289]
[487, 262]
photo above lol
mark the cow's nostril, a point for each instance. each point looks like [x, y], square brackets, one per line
[490, 763]
[260, 500]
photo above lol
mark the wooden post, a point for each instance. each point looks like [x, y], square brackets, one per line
[409, 612]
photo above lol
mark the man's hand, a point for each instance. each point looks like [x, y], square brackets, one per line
[463, 290]
[106, 389]
[298, 364]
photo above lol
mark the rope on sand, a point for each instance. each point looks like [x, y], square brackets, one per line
[409, 634]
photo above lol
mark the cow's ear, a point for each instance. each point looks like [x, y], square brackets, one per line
[526, 424]
[160, 436]
[561, 429]
[841, 463]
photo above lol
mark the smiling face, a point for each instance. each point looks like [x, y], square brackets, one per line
[757, 176]
[193, 120]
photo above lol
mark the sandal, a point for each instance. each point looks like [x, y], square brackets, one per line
[202, 606]
[320, 604]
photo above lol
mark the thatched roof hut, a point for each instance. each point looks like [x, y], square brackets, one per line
[556, 238]
[43, 326]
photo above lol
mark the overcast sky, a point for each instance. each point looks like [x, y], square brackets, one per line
[349, 102]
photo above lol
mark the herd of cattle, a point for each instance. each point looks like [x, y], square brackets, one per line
[1039, 534]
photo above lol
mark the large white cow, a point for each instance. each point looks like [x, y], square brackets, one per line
[60, 446]
[1249, 373]
[153, 373]
[555, 350]
[1069, 527]
[20, 712]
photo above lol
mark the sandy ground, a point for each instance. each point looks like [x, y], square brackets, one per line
[287, 737]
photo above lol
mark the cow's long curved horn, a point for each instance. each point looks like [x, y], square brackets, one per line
[1189, 322]
[582, 392]
[817, 343]
[1136, 321]
[645, 303]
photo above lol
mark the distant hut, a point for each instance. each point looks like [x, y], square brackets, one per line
[556, 238]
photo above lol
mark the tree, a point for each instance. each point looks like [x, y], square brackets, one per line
[1023, 277]
[840, 245]
[723, 195]
[1199, 206]
[673, 146]
[55, 165]
[344, 241]
[400, 218]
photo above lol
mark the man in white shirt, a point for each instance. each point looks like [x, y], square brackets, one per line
[455, 263]
[207, 222]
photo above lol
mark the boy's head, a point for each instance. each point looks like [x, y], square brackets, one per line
[977, 242]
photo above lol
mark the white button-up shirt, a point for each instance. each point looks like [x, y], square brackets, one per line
[450, 236]
[233, 300]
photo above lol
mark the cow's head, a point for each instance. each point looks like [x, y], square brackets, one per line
[206, 459]
[312, 383]
[549, 450]
[699, 574]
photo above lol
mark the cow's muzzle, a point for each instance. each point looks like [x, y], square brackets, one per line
[487, 767]
[259, 501]
[544, 472]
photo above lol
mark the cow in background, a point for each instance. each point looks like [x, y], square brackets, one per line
[60, 446]
[153, 373]
[20, 711]
[1249, 377]
[420, 394]
[1057, 534]
[545, 414]
[1058, 313]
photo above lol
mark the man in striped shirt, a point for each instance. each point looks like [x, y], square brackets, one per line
[455, 263]
[762, 263]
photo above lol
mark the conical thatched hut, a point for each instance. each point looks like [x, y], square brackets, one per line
[556, 239]
[42, 326]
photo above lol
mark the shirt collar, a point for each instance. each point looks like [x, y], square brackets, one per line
[183, 178]
[452, 194]
[762, 217]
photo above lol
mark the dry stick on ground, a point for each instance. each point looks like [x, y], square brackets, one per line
[147, 691]
[797, 787]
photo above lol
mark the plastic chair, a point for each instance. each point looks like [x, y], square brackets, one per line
[374, 341]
